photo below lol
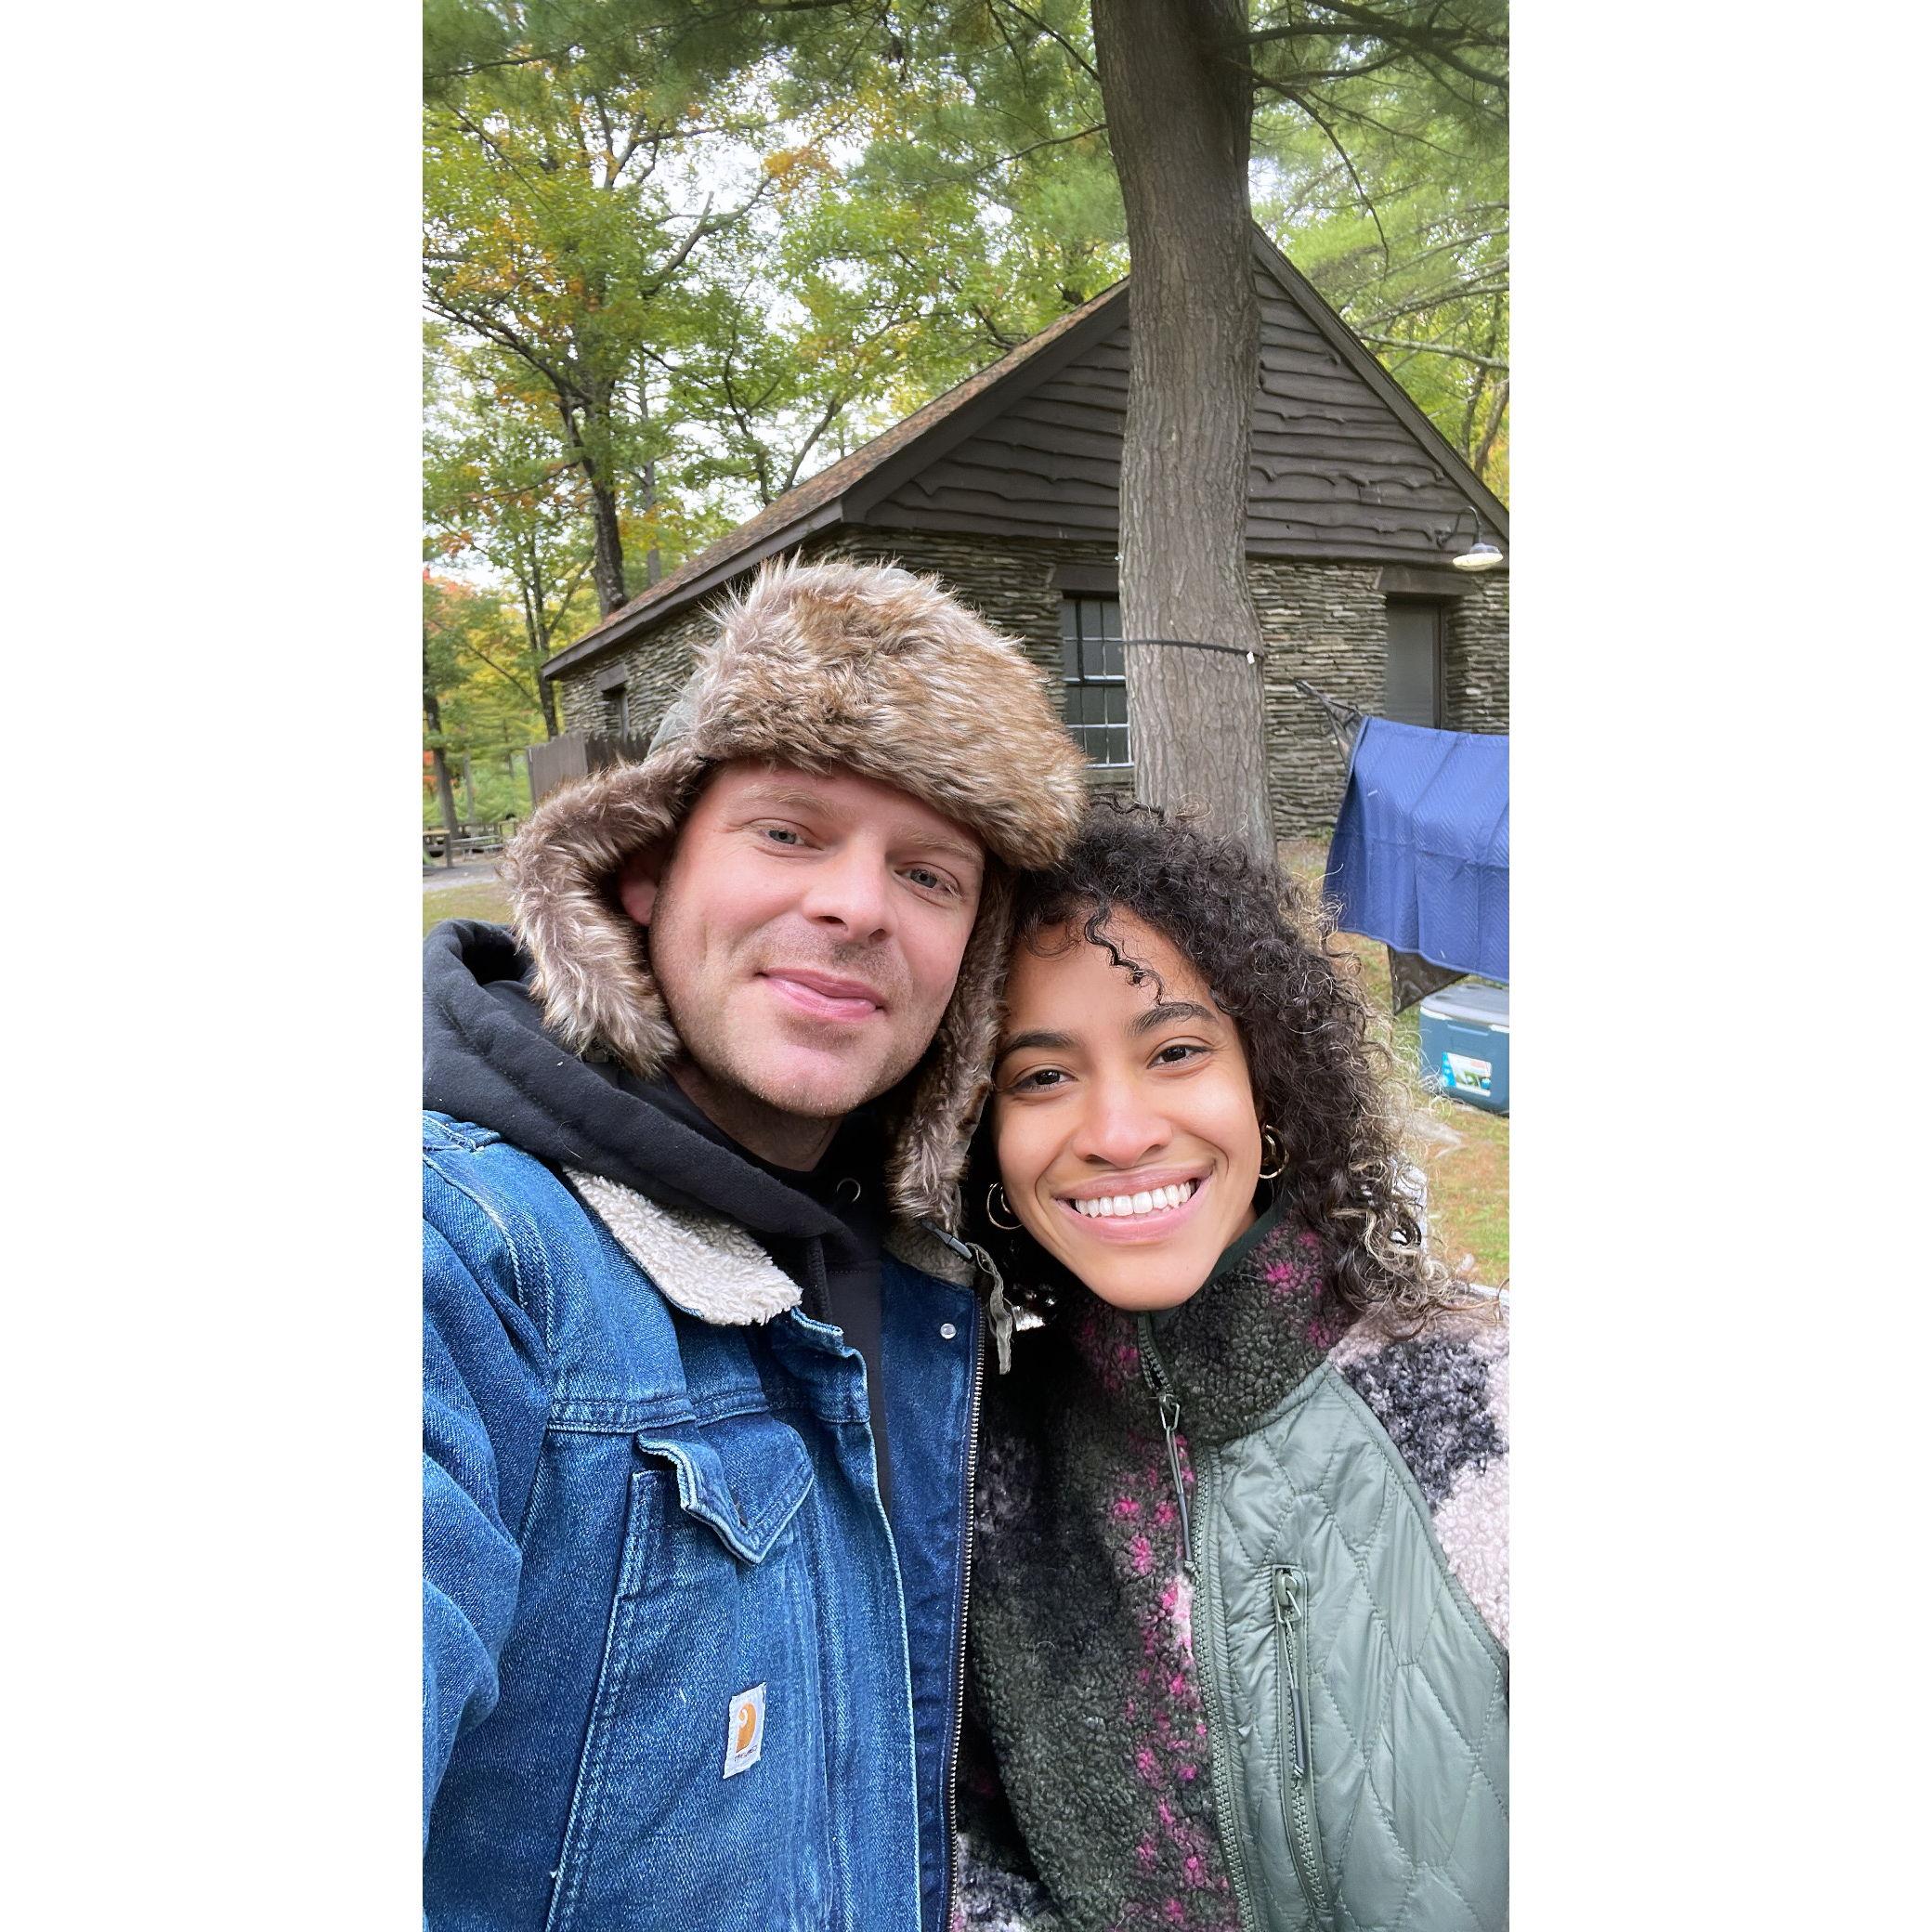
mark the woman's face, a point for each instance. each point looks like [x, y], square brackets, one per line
[1123, 1119]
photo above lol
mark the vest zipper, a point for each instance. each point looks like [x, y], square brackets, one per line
[1155, 1374]
[1298, 1786]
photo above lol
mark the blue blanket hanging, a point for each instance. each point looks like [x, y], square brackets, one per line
[1420, 858]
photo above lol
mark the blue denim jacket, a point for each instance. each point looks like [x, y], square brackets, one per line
[679, 1671]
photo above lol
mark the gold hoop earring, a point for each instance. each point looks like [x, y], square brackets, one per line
[1005, 1227]
[1272, 1150]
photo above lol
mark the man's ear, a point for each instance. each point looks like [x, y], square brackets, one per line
[637, 881]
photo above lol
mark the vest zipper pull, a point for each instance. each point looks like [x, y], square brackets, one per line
[1286, 1612]
[1155, 1374]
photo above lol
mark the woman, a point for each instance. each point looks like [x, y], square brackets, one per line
[1239, 1602]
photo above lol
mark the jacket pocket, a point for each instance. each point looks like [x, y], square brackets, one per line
[1289, 1589]
[703, 1772]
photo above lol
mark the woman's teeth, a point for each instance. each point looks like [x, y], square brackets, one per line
[1151, 1201]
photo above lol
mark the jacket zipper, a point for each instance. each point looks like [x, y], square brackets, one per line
[1154, 1371]
[967, 1252]
[1297, 1786]
[952, 1770]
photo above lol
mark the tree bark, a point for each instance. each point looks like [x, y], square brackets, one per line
[1178, 117]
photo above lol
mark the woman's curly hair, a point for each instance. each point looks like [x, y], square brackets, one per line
[1312, 1057]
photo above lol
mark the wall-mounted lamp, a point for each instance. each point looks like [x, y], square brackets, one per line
[1481, 555]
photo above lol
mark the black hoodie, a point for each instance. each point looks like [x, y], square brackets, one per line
[486, 1059]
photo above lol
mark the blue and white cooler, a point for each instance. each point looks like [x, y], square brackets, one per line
[1466, 1044]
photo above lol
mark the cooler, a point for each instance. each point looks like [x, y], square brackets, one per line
[1466, 1044]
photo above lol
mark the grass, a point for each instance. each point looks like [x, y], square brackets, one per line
[1464, 1151]
[485, 899]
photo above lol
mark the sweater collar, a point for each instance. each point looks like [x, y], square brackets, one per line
[1263, 1319]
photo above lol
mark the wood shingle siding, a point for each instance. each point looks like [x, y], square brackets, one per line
[1334, 472]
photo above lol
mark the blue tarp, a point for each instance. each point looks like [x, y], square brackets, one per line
[1420, 858]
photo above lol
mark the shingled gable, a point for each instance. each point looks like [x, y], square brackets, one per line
[1337, 473]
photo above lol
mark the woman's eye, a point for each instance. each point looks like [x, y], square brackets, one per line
[1038, 1080]
[1177, 1054]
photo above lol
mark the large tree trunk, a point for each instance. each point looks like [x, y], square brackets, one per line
[1178, 113]
[607, 555]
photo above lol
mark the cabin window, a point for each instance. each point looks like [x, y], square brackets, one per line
[1096, 679]
[619, 700]
[1412, 689]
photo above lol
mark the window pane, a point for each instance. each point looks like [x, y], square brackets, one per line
[1116, 709]
[1114, 656]
[1116, 746]
[1110, 617]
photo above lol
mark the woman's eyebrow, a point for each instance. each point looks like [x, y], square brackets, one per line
[1167, 1012]
[1052, 1042]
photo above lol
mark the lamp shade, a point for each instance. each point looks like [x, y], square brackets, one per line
[1480, 556]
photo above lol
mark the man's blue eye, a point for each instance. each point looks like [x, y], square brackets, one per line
[779, 833]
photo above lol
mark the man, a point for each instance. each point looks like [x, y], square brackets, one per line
[699, 1391]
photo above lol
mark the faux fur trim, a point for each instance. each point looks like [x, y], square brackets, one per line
[708, 1265]
[817, 666]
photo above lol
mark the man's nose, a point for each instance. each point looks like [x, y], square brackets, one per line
[851, 888]
[1120, 1127]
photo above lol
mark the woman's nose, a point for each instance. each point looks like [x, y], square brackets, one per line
[1121, 1128]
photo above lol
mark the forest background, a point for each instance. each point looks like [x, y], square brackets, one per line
[681, 256]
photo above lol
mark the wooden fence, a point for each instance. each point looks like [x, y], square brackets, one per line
[576, 754]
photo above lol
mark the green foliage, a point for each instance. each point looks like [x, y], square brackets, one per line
[478, 697]
[685, 253]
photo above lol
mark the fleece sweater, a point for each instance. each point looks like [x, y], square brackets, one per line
[1082, 1644]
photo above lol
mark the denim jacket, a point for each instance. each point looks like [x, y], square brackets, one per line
[680, 1671]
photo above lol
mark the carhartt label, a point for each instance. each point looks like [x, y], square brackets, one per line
[745, 1736]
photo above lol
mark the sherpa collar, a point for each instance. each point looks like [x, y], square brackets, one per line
[705, 1263]
[710, 1267]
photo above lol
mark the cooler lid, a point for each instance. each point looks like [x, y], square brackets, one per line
[1486, 1006]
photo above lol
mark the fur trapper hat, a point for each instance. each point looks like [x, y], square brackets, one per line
[818, 666]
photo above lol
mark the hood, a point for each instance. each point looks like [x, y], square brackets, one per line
[818, 667]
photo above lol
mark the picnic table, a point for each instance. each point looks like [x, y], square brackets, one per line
[470, 842]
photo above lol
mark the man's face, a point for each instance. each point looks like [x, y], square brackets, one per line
[805, 932]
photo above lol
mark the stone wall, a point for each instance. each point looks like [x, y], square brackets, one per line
[1325, 622]
[1476, 657]
[653, 667]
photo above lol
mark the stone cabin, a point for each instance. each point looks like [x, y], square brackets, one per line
[1007, 487]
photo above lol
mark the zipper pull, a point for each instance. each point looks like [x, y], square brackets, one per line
[999, 1313]
[1288, 1613]
[1170, 1422]
[1154, 1374]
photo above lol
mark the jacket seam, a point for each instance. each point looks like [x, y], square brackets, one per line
[542, 1315]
